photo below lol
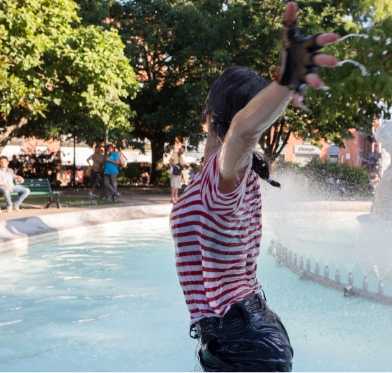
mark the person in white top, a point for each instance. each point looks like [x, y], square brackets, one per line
[8, 178]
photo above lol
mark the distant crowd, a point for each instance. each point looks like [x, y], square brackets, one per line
[104, 167]
[44, 165]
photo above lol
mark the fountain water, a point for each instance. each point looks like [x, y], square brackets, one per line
[361, 67]
[342, 235]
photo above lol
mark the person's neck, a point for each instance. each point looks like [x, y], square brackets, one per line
[212, 145]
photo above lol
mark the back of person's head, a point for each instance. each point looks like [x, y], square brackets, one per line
[230, 93]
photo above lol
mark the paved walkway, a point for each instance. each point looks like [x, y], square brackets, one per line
[129, 197]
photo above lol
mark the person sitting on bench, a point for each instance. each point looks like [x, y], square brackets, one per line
[8, 178]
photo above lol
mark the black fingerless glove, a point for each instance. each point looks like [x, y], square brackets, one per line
[298, 60]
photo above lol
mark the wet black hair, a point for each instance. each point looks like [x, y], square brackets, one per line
[230, 93]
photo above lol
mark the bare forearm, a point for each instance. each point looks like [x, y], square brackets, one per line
[247, 127]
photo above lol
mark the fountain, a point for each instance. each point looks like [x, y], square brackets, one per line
[382, 205]
[340, 244]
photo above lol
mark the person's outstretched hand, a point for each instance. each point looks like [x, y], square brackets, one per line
[301, 56]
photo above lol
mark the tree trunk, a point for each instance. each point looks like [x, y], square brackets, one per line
[74, 162]
[274, 140]
[157, 151]
[10, 128]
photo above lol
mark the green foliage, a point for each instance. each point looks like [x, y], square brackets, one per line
[130, 174]
[157, 37]
[353, 179]
[93, 77]
[179, 47]
[164, 177]
[28, 30]
[353, 99]
[64, 78]
[97, 12]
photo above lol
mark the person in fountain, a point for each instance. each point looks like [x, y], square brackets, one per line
[216, 224]
[7, 185]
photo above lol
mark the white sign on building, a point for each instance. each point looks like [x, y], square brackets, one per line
[306, 150]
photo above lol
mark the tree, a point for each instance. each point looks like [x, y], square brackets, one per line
[179, 47]
[25, 37]
[171, 85]
[93, 78]
[71, 79]
[352, 102]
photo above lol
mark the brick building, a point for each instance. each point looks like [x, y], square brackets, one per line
[359, 150]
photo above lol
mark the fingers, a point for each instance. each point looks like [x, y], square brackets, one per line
[313, 80]
[325, 60]
[290, 14]
[327, 38]
[298, 100]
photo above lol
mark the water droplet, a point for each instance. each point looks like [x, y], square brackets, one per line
[370, 54]
[364, 72]
[353, 36]
[376, 38]
[364, 111]
[384, 53]
[388, 41]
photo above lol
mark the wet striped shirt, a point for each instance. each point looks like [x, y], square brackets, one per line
[217, 240]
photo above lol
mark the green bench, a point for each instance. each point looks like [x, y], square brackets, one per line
[42, 187]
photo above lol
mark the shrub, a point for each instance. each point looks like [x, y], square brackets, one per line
[164, 177]
[355, 180]
[130, 174]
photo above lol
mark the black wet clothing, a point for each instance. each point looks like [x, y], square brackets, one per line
[249, 338]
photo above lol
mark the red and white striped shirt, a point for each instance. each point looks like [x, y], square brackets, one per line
[217, 238]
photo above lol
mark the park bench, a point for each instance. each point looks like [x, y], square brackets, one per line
[42, 187]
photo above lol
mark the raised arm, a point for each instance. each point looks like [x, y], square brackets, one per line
[298, 68]
[247, 127]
